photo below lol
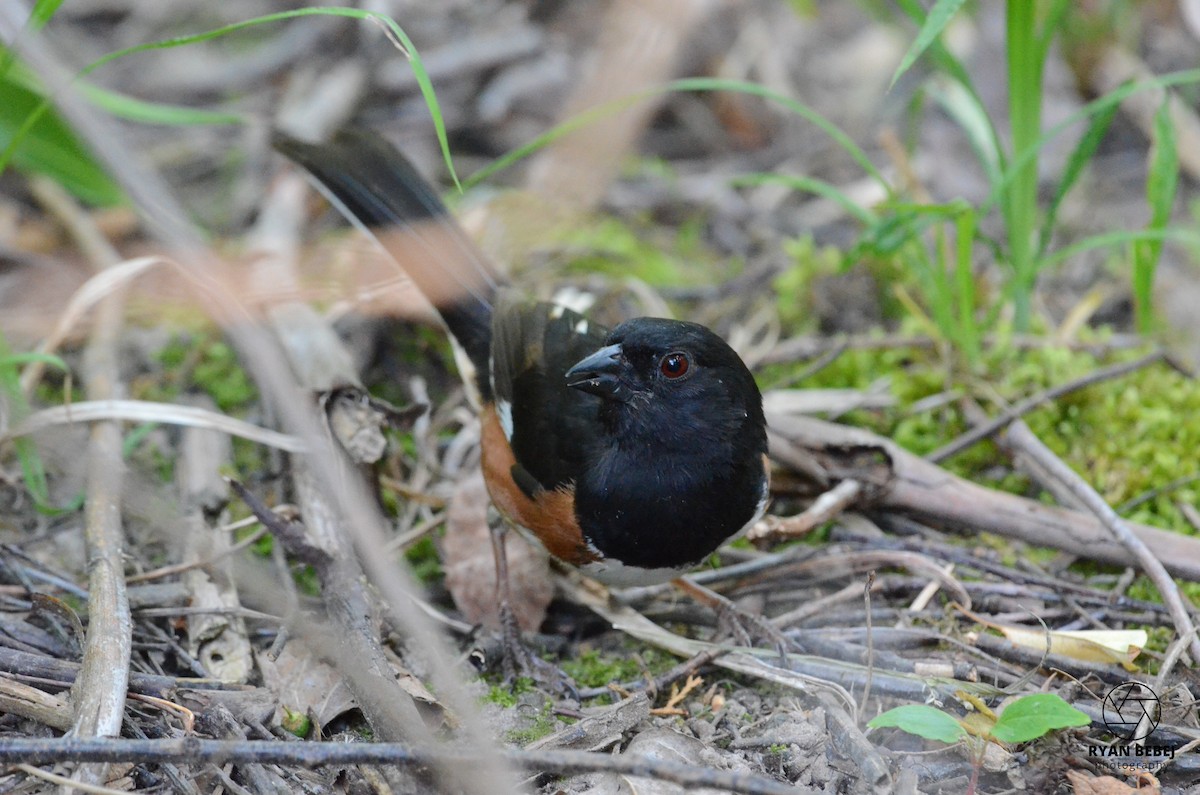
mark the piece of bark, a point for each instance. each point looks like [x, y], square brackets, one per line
[218, 639]
[596, 730]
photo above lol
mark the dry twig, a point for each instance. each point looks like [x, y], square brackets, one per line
[984, 430]
[99, 692]
[192, 751]
[1019, 437]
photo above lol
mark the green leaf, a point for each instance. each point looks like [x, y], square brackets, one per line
[1030, 717]
[923, 721]
[50, 147]
[935, 22]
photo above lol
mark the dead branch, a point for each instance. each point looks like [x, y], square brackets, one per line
[219, 640]
[1024, 440]
[190, 750]
[98, 696]
[897, 480]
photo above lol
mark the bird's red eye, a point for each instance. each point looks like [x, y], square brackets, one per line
[675, 365]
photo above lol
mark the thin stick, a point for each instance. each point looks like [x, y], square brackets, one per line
[862, 704]
[194, 751]
[1021, 438]
[824, 509]
[1022, 408]
[99, 692]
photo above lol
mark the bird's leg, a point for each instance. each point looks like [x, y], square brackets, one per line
[519, 659]
[510, 632]
[744, 627]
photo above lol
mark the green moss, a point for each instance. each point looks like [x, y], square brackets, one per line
[1158, 641]
[793, 286]
[218, 373]
[423, 558]
[543, 724]
[306, 580]
[1125, 436]
[505, 696]
[593, 668]
[658, 256]
[205, 362]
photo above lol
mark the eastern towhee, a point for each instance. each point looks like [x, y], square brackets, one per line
[630, 453]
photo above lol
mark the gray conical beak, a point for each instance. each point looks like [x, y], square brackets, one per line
[600, 374]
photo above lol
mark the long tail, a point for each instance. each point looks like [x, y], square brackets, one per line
[376, 187]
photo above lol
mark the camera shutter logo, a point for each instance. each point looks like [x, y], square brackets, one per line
[1131, 711]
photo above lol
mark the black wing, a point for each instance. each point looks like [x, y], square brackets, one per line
[550, 425]
[377, 188]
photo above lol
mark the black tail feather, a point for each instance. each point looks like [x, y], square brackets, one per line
[377, 188]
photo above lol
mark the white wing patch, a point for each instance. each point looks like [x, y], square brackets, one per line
[504, 412]
[581, 327]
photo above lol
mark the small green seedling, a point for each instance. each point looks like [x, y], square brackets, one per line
[1027, 718]
[1024, 719]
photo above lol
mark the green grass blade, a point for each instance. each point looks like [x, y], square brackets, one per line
[127, 107]
[966, 109]
[137, 110]
[1025, 118]
[32, 470]
[1050, 26]
[1022, 157]
[935, 22]
[949, 65]
[964, 281]
[698, 85]
[1083, 153]
[1184, 237]
[815, 186]
[43, 10]
[32, 356]
[1162, 180]
[394, 31]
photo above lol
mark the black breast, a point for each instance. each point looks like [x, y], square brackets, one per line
[673, 513]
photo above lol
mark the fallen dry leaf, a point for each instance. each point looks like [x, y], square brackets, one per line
[1098, 646]
[471, 571]
[1083, 784]
[304, 684]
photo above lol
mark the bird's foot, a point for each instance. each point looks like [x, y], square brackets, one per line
[746, 629]
[517, 659]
